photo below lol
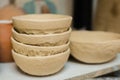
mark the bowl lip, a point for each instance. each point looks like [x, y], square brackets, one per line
[66, 17]
[41, 35]
[43, 57]
[26, 45]
[100, 42]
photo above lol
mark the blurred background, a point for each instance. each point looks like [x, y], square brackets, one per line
[100, 15]
[82, 10]
[38, 6]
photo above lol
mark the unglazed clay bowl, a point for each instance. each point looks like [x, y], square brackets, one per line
[30, 50]
[42, 23]
[43, 40]
[93, 46]
[41, 65]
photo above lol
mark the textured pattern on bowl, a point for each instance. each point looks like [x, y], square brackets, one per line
[30, 50]
[42, 23]
[41, 66]
[42, 40]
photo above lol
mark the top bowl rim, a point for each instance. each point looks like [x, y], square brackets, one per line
[66, 17]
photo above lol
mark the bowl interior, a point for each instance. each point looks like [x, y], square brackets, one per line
[41, 17]
[93, 36]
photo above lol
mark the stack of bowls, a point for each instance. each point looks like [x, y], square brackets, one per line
[41, 42]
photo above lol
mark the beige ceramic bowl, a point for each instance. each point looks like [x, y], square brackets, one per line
[30, 50]
[41, 65]
[43, 40]
[93, 46]
[42, 23]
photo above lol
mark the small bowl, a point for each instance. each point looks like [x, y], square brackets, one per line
[42, 23]
[42, 40]
[41, 65]
[30, 50]
[94, 46]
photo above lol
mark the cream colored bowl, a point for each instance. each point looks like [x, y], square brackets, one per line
[93, 46]
[43, 40]
[42, 23]
[30, 50]
[41, 66]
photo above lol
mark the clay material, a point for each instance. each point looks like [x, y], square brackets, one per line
[42, 23]
[43, 40]
[30, 50]
[93, 46]
[41, 66]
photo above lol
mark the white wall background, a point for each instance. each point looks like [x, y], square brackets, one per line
[3, 2]
[20, 3]
[63, 6]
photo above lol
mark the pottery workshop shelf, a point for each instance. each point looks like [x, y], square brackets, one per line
[73, 70]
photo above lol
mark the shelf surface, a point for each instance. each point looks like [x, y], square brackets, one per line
[73, 70]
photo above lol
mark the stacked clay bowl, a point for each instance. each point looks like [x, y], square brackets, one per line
[94, 46]
[41, 43]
